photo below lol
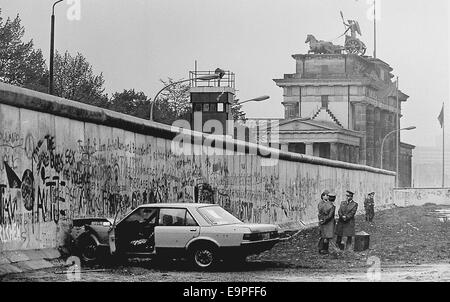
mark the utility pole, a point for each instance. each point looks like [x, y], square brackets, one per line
[397, 140]
[375, 29]
[52, 48]
[443, 147]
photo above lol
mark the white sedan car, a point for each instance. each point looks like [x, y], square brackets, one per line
[203, 233]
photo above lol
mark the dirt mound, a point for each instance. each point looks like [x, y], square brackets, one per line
[397, 236]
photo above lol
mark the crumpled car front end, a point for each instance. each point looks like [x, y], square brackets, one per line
[95, 227]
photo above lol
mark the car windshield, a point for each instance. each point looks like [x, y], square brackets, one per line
[218, 216]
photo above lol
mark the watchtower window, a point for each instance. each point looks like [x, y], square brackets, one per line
[213, 107]
[205, 107]
[197, 107]
[220, 107]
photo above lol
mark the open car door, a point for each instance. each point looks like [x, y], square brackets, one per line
[135, 233]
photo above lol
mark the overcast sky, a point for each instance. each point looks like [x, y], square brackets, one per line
[137, 42]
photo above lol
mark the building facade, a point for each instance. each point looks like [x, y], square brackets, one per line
[342, 107]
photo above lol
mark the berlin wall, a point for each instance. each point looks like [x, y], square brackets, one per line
[421, 196]
[62, 160]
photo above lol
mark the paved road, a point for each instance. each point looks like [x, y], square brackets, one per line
[406, 273]
[250, 272]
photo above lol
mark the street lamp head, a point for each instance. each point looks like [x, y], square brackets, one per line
[410, 128]
[261, 98]
[54, 4]
[258, 99]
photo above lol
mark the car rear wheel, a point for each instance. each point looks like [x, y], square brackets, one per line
[88, 249]
[204, 257]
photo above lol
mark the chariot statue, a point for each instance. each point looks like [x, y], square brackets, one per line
[353, 45]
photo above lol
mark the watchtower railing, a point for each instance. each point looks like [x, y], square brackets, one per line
[228, 79]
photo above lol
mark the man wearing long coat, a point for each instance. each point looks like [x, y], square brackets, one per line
[326, 222]
[346, 222]
[322, 202]
[369, 206]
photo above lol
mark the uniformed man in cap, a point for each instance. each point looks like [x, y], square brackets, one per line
[369, 206]
[320, 206]
[326, 222]
[346, 222]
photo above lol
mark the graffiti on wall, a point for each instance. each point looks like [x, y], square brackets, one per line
[101, 178]
[421, 196]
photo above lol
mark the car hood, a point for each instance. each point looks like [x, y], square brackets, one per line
[79, 222]
[259, 227]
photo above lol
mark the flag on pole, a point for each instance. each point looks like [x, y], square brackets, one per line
[441, 117]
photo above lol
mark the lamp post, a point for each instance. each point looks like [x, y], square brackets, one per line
[52, 46]
[384, 139]
[201, 78]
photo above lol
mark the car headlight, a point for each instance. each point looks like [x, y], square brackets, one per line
[247, 237]
[257, 236]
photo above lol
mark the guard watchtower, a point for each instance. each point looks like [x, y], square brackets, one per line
[211, 100]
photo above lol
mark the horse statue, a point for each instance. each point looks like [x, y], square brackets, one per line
[322, 47]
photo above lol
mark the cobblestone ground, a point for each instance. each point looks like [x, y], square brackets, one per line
[407, 244]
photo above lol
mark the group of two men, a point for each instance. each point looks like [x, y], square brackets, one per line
[345, 226]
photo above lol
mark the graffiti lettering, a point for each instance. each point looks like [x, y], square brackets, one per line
[10, 232]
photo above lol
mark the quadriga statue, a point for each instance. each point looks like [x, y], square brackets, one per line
[322, 47]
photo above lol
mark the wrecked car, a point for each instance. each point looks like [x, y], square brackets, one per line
[202, 233]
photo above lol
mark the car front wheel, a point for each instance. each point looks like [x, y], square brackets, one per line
[204, 257]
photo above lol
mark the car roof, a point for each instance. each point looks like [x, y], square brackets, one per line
[177, 205]
[91, 218]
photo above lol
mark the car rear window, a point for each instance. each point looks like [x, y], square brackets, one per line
[176, 217]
